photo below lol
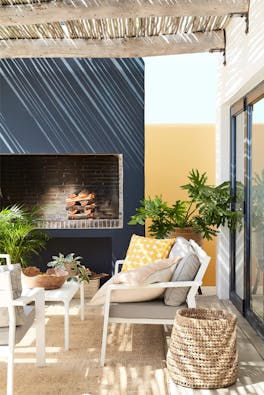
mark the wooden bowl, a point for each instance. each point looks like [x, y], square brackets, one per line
[52, 279]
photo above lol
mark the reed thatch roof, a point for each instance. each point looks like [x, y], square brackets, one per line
[115, 28]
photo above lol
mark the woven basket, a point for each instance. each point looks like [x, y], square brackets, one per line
[202, 351]
[90, 289]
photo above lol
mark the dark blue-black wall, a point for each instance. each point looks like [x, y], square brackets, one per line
[79, 106]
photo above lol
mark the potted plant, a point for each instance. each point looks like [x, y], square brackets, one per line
[78, 272]
[19, 235]
[72, 264]
[208, 207]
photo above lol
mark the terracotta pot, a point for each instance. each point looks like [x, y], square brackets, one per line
[187, 233]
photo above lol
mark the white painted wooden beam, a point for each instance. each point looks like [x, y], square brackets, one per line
[116, 48]
[28, 14]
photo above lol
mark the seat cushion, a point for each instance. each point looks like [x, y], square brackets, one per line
[185, 271]
[159, 271]
[145, 310]
[15, 275]
[21, 330]
[145, 250]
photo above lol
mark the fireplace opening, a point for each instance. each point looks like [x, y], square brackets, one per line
[72, 191]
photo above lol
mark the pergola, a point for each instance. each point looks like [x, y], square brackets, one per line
[114, 28]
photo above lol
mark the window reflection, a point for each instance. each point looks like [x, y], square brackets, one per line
[257, 211]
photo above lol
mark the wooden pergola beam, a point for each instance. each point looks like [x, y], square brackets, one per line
[115, 48]
[28, 14]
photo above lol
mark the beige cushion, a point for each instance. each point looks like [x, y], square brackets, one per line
[158, 271]
[15, 274]
[185, 271]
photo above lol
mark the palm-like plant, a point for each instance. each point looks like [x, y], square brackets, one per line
[19, 236]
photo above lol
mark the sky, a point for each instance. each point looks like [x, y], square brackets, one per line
[180, 89]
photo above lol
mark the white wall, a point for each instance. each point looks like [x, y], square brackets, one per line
[174, 89]
[244, 70]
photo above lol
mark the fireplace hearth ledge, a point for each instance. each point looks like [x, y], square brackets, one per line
[82, 224]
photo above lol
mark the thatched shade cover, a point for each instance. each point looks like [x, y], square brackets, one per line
[114, 28]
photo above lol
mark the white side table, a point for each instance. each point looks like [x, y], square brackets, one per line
[65, 295]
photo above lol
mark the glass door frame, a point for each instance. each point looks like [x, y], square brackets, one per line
[245, 104]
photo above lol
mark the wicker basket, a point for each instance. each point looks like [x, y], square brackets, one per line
[202, 351]
[90, 289]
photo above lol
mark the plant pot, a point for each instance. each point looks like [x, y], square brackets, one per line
[71, 268]
[187, 233]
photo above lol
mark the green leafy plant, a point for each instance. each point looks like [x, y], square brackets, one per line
[72, 264]
[208, 207]
[257, 216]
[19, 235]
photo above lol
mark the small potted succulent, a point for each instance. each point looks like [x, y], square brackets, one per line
[72, 265]
[78, 272]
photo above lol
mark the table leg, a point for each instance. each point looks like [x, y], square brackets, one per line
[82, 300]
[66, 326]
[40, 328]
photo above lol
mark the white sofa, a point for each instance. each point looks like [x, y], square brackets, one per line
[154, 311]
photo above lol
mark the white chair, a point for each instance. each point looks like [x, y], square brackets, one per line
[12, 334]
[154, 311]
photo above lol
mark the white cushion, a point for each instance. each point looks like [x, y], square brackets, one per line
[15, 275]
[158, 271]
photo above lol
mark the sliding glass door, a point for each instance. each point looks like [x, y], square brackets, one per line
[237, 176]
[247, 181]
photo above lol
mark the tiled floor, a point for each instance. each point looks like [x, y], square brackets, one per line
[251, 357]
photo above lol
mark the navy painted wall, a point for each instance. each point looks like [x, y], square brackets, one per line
[78, 106]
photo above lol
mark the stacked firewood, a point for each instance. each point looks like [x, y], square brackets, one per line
[81, 205]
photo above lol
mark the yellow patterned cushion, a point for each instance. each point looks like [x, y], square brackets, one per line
[144, 250]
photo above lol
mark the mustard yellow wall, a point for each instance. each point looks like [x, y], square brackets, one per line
[171, 151]
[257, 148]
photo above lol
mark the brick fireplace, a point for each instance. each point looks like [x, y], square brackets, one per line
[71, 126]
[72, 191]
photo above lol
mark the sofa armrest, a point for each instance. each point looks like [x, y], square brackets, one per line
[118, 264]
[30, 295]
[36, 295]
[170, 284]
[126, 287]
